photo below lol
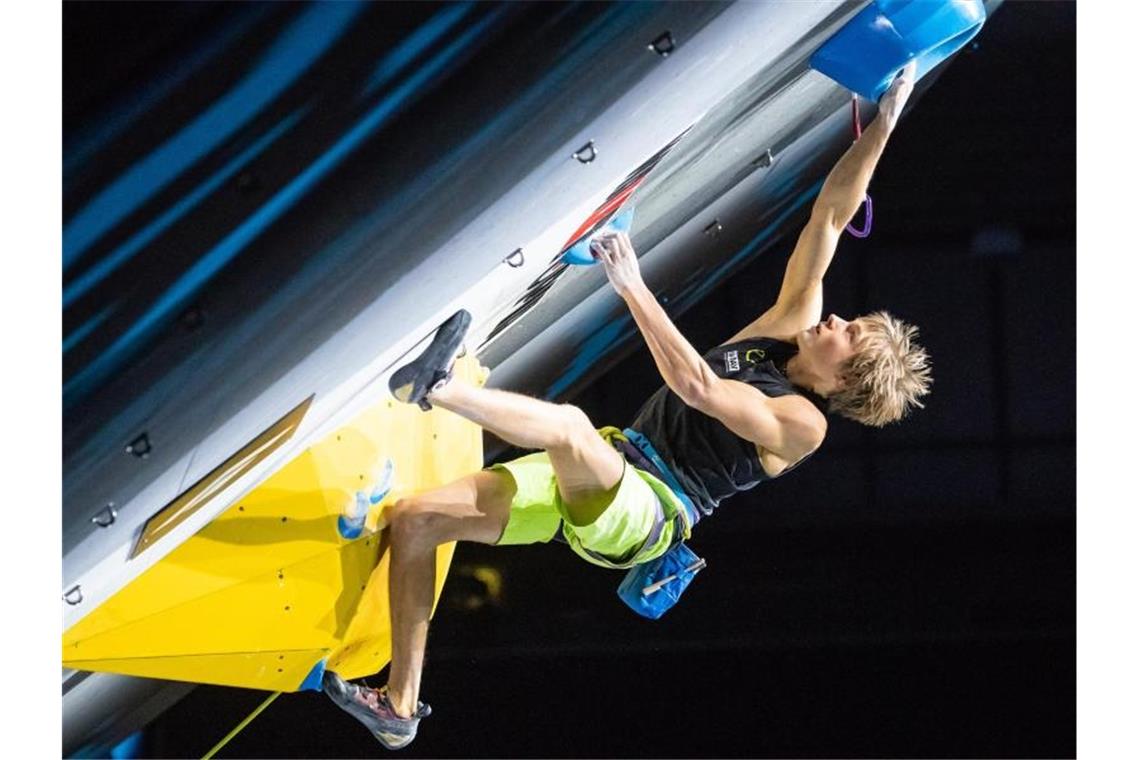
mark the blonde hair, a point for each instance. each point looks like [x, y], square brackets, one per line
[887, 375]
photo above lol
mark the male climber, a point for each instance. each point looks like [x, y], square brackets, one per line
[745, 412]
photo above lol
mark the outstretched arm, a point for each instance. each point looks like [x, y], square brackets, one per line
[800, 303]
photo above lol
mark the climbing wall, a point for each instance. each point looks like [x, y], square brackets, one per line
[272, 591]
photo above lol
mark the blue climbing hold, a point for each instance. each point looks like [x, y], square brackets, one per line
[351, 521]
[866, 54]
[384, 485]
[312, 681]
[579, 253]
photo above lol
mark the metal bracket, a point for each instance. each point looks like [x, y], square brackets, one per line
[765, 160]
[73, 596]
[140, 446]
[518, 253]
[664, 44]
[586, 153]
[105, 517]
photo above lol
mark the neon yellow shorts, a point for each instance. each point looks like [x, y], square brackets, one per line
[618, 533]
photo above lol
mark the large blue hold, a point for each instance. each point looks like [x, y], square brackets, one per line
[866, 54]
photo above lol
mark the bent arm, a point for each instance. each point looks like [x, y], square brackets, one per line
[684, 370]
[787, 426]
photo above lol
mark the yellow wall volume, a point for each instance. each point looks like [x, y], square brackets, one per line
[271, 588]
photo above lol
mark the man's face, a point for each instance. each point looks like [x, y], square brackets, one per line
[828, 345]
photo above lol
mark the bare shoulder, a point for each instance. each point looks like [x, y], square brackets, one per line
[804, 428]
[804, 424]
[788, 426]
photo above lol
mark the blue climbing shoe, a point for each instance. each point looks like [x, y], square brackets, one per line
[373, 708]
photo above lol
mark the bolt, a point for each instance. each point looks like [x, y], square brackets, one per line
[663, 45]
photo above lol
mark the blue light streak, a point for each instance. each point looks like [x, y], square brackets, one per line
[291, 55]
[206, 267]
[411, 48]
[88, 327]
[122, 114]
[612, 334]
[143, 237]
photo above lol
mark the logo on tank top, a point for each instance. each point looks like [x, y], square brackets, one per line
[755, 355]
[731, 361]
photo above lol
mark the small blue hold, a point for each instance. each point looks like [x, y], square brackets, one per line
[349, 528]
[351, 525]
[579, 254]
[312, 681]
[866, 54]
[381, 489]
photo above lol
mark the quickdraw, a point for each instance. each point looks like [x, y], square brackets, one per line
[857, 128]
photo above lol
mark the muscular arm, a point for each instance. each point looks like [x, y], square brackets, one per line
[800, 302]
[842, 193]
[684, 370]
[789, 426]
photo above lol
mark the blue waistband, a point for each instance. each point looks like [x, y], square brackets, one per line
[645, 447]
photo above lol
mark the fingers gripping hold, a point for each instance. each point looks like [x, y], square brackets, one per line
[615, 251]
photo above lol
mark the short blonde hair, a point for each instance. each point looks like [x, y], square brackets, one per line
[887, 375]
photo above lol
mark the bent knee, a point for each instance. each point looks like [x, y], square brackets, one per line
[577, 430]
[415, 524]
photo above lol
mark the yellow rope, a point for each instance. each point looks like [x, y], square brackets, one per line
[240, 726]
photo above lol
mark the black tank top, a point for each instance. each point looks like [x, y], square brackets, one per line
[710, 461]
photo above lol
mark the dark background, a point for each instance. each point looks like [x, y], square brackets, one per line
[909, 592]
